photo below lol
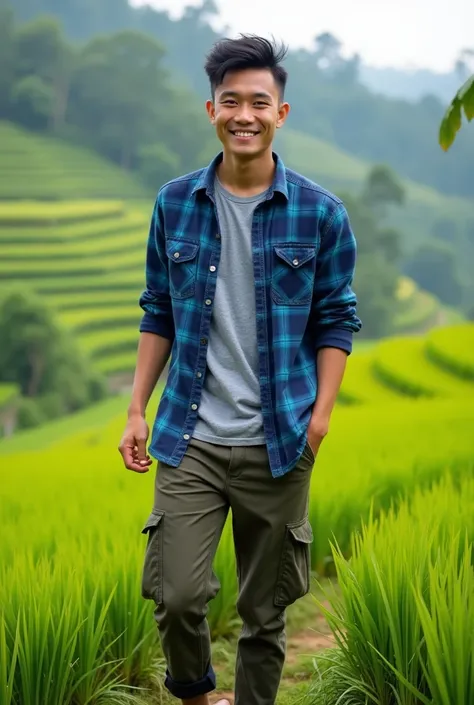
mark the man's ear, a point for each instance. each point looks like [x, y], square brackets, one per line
[211, 111]
[283, 111]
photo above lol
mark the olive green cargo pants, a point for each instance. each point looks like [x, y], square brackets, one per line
[272, 537]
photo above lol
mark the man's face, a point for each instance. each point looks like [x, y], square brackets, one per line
[246, 112]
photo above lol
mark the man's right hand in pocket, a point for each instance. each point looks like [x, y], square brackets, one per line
[132, 447]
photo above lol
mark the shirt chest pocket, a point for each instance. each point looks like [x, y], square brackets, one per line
[183, 262]
[293, 274]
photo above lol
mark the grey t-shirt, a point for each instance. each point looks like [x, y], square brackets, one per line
[230, 408]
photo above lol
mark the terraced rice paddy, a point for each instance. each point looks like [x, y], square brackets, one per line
[436, 365]
[87, 259]
[40, 167]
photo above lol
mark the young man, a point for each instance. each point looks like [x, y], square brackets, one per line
[248, 289]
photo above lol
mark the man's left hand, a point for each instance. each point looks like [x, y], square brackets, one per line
[317, 430]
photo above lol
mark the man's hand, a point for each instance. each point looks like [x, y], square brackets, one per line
[132, 447]
[317, 430]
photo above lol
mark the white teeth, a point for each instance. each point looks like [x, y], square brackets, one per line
[244, 134]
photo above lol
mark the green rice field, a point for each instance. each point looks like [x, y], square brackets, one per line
[392, 491]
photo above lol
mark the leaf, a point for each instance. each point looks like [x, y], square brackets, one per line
[450, 125]
[466, 95]
[452, 120]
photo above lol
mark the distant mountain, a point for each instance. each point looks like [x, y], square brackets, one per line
[410, 85]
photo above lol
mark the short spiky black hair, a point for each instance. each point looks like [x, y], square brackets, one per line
[247, 52]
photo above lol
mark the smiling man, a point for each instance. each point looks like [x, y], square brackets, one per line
[248, 291]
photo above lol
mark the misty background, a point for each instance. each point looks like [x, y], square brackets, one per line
[103, 100]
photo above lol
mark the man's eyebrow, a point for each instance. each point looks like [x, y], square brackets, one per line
[234, 94]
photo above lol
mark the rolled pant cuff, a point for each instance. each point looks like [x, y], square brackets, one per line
[191, 690]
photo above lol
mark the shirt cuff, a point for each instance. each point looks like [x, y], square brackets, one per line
[335, 338]
[159, 325]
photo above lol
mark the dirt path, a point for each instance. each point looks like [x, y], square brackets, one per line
[307, 643]
[301, 647]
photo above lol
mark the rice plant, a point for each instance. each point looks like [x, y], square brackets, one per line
[404, 615]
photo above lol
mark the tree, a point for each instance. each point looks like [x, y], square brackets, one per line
[376, 277]
[433, 267]
[327, 50]
[463, 63]
[201, 14]
[157, 164]
[7, 60]
[328, 58]
[43, 67]
[382, 189]
[41, 358]
[32, 102]
[118, 92]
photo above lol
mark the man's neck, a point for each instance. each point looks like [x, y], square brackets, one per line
[246, 177]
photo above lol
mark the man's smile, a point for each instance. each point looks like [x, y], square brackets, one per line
[244, 134]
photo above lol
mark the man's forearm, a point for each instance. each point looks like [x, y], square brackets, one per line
[152, 356]
[331, 365]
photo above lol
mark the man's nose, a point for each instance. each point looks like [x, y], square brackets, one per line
[244, 114]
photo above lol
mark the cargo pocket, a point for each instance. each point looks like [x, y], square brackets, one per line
[152, 578]
[295, 565]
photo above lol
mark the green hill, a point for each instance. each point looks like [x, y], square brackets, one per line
[340, 171]
[439, 364]
[40, 167]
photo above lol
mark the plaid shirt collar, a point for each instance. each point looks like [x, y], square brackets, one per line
[207, 178]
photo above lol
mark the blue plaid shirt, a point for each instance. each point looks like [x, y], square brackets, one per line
[304, 254]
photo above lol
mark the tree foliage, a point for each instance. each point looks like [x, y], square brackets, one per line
[39, 357]
[379, 251]
[433, 267]
[112, 93]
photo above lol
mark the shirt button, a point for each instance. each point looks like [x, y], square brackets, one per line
[176, 254]
[194, 407]
[199, 374]
[203, 341]
[296, 262]
[208, 302]
[186, 436]
[218, 236]
[212, 268]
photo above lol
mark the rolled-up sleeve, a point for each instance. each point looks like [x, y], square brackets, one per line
[155, 299]
[334, 314]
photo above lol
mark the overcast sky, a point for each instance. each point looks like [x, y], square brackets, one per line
[402, 33]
